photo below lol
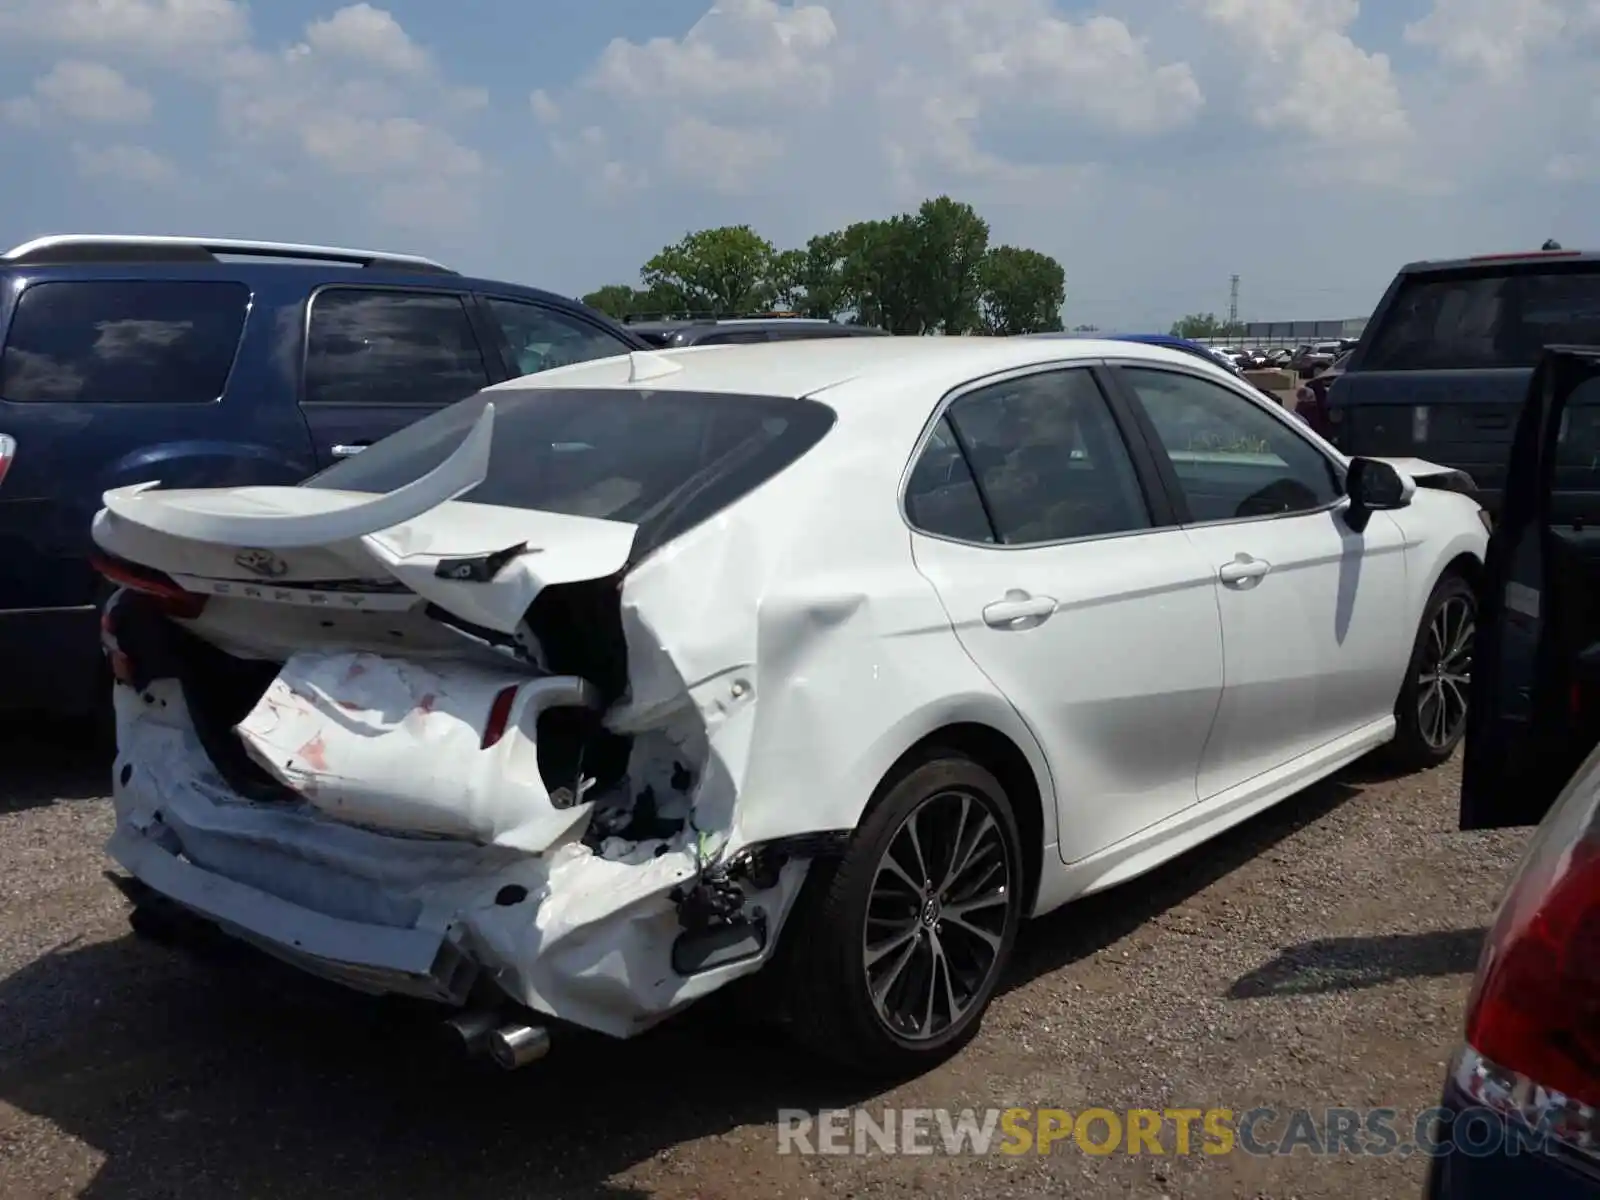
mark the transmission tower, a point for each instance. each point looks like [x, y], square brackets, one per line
[1233, 300]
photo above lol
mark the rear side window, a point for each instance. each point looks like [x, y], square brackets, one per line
[663, 460]
[941, 495]
[542, 339]
[1482, 320]
[1048, 459]
[123, 342]
[375, 347]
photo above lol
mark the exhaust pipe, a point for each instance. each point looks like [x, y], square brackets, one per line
[513, 1046]
[471, 1030]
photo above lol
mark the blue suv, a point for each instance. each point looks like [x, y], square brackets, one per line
[214, 363]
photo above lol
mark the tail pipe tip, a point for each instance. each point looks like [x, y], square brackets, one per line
[513, 1046]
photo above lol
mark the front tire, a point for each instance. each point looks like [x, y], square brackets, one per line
[896, 950]
[1431, 713]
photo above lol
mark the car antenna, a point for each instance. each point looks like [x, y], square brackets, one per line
[1550, 244]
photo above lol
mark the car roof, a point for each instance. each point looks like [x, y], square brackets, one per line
[84, 256]
[1515, 259]
[809, 367]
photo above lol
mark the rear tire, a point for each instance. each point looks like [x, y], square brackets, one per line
[1431, 713]
[891, 962]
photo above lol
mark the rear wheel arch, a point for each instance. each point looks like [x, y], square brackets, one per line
[1000, 755]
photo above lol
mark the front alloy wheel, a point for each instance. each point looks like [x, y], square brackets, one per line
[1445, 674]
[1431, 713]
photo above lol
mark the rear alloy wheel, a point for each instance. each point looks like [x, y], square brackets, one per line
[1431, 715]
[897, 950]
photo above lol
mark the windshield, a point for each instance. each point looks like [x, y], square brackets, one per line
[650, 458]
[1484, 319]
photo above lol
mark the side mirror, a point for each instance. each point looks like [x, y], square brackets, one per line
[1374, 486]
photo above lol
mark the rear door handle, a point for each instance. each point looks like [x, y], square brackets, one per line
[349, 450]
[1018, 610]
[1243, 569]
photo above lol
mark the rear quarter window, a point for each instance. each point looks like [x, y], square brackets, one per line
[123, 341]
[1480, 320]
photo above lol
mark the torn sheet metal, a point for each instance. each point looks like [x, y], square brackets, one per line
[580, 935]
[396, 745]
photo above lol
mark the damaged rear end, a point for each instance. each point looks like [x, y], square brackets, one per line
[388, 726]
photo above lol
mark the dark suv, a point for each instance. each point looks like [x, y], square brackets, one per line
[206, 363]
[743, 330]
[1441, 368]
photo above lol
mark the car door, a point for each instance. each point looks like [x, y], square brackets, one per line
[537, 337]
[1534, 710]
[378, 359]
[1045, 534]
[1315, 623]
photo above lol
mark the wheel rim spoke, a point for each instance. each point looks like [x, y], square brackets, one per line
[930, 949]
[1445, 677]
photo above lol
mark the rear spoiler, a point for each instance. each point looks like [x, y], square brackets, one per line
[215, 517]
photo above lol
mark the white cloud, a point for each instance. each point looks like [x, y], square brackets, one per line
[1306, 75]
[166, 29]
[1495, 37]
[369, 35]
[729, 160]
[123, 163]
[85, 91]
[745, 49]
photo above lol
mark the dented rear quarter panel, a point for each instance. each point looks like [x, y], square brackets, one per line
[804, 599]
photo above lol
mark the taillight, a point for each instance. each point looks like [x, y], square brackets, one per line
[1533, 1022]
[499, 716]
[8, 452]
[172, 599]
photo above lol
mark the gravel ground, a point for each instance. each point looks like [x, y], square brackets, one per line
[1317, 956]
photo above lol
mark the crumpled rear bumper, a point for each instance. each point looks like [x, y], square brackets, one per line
[580, 937]
[370, 958]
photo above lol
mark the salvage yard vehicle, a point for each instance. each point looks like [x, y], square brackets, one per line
[1442, 367]
[612, 685]
[1523, 1091]
[213, 361]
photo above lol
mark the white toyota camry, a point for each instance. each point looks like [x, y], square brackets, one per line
[591, 694]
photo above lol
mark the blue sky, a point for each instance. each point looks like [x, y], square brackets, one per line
[1155, 147]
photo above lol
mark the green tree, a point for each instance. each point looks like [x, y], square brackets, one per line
[615, 300]
[952, 240]
[1205, 325]
[724, 271]
[1021, 291]
[881, 274]
[811, 281]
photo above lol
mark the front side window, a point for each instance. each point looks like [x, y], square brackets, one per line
[374, 347]
[123, 342]
[542, 339]
[1049, 459]
[1232, 459]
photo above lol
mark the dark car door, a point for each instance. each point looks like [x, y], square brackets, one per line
[1535, 695]
[379, 358]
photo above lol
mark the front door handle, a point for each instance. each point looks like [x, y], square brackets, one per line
[1018, 610]
[350, 450]
[1243, 570]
